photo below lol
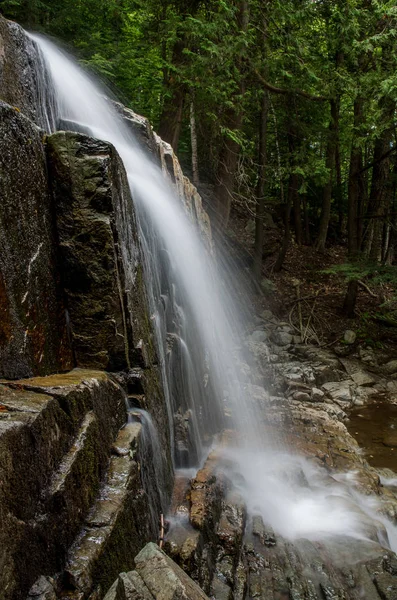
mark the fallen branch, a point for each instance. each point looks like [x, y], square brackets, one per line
[366, 288]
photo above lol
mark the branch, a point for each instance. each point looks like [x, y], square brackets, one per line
[366, 288]
[277, 90]
[376, 162]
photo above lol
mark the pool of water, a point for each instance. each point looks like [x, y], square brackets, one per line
[374, 426]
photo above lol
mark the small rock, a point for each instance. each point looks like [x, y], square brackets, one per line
[296, 339]
[390, 440]
[250, 227]
[267, 286]
[259, 336]
[390, 368]
[317, 395]
[350, 336]
[301, 397]
[283, 338]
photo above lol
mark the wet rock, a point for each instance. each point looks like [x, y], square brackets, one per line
[65, 424]
[93, 207]
[33, 330]
[163, 578]
[119, 523]
[23, 77]
[349, 336]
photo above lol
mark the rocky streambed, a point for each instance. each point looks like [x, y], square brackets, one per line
[339, 545]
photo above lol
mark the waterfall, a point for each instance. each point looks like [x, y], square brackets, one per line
[199, 331]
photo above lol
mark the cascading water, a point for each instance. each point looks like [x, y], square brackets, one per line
[198, 332]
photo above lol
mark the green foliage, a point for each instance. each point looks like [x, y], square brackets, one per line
[362, 269]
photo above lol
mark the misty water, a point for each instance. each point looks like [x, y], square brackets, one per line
[199, 332]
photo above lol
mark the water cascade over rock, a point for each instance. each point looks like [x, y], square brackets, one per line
[109, 264]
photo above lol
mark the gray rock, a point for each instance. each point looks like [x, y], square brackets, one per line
[267, 315]
[341, 392]
[164, 578]
[283, 338]
[259, 336]
[349, 336]
[317, 395]
[267, 286]
[301, 397]
[390, 368]
[43, 589]
[362, 378]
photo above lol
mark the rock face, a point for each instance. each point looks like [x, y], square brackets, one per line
[99, 251]
[56, 435]
[33, 332]
[102, 270]
[22, 76]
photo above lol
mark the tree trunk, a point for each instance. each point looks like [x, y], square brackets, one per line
[356, 187]
[349, 304]
[330, 164]
[170, 124]
[260, 190]
[193, 139]
[292, 193]
[298, 219]
[378, 197]
[228, 158]
[308, 240]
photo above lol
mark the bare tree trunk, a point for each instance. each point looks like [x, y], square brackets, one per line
[193, 139]
[308, 240]
[292, 192]
[260, 190]
[330, 164]
[298, 219]
[349, 304]
[355, 185]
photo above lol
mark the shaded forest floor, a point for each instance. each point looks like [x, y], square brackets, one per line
[309, 299]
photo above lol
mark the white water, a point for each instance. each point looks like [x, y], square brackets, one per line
[198, 331]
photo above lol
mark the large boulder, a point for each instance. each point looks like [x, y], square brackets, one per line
[33, 330]
[157, 577]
